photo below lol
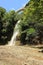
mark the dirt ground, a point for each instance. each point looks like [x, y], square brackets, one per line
[20, 55]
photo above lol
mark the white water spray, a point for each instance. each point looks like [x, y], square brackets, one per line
[16, 31]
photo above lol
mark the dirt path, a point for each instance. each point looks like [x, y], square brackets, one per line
[20, 55]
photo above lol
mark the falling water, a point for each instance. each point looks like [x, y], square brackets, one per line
[16, 31]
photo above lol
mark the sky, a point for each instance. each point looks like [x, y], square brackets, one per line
[12, 4]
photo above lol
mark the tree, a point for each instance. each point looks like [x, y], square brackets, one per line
[7, 24]
[33, 18]
[2, 12]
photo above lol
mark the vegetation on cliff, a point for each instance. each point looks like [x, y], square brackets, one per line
[31, 25]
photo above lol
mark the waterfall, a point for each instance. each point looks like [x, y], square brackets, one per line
[15, 33]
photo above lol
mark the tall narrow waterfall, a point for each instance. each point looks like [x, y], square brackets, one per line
[16, 31]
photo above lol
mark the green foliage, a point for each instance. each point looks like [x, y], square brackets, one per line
[7, 24]
[31, 25]
[32, 22]
[2, 12]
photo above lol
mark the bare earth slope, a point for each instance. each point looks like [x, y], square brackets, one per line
[20, 55]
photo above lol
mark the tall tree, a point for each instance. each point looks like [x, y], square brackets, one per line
[2, 13]
[33, 18]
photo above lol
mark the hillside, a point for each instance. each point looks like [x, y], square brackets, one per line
[20, 55]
